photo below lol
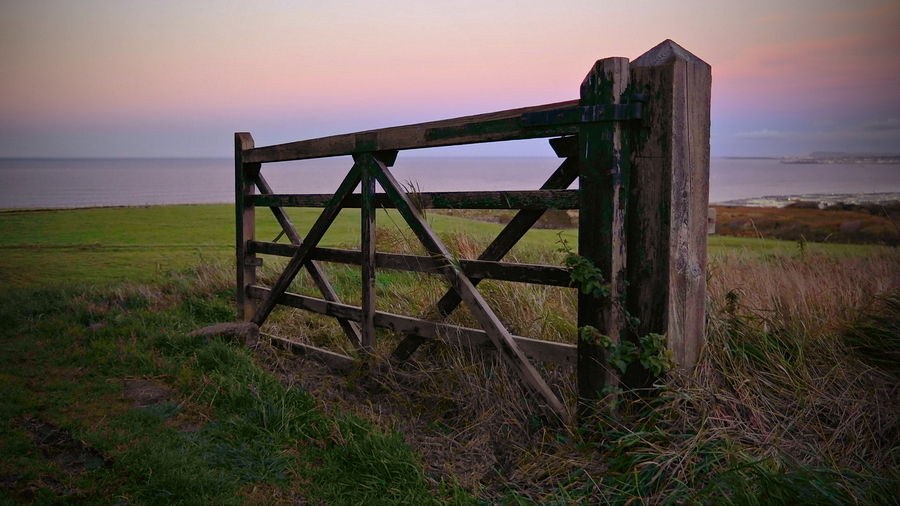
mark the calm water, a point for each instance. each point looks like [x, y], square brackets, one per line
[44, 183]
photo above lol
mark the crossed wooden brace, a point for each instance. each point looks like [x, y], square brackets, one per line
[369, 168]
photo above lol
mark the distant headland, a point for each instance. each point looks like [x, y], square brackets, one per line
[821, 157]
[827, 157]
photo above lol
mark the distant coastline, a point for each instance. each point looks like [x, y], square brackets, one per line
[68, 183]
[821, 201]
[843, 160]
[824, 158]
[818, 159]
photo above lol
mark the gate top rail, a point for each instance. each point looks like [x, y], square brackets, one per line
[549, 120]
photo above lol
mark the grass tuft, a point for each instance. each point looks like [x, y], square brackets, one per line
[875, 336]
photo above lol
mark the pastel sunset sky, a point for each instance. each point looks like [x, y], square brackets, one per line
[111, 78]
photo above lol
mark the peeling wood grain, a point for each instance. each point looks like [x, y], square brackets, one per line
[245, 224]
[603, 182]
[669, 202]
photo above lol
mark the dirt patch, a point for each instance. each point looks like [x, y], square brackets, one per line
[26, 491]
[58, 446]
[267, 493]
[145, 393]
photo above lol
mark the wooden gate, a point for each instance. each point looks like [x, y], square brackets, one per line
[637, 141]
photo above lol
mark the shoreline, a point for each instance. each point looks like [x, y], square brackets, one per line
[776, 201]
[822, 200]
[111, 206]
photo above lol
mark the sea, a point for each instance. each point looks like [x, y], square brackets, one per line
[71, 183]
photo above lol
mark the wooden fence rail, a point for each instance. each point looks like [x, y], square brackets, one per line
[637, 142]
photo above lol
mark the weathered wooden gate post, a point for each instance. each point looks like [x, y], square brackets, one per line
[644, 189]
[603, 185]
[245, 224]
[667, 208]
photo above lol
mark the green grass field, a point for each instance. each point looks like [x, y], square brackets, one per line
[793, 401]
[96, 300]
[137, 244]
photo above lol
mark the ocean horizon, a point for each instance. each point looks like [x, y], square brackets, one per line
[103, 182]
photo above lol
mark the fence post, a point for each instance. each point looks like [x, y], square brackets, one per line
[668, 203]
[603, 186]
[245, 224]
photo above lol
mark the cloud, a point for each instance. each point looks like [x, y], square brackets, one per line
[887, 125]
[881, 129]
[876, 15]
[842, 59]
[764, 134]
[771, 139]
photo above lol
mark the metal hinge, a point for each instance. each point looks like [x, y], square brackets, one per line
[253, 261]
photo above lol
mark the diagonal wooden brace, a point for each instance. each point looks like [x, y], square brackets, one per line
[312, 240]
[499, 335]
[315, 271]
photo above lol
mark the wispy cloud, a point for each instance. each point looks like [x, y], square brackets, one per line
[876, 15]
[886, 128]
[764, 134]
[888, 125]
[850, 58]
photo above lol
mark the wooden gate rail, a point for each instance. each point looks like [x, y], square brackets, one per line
[637, 141]
[537, 200]
[544, 351]
[491, 127]
[482, 269]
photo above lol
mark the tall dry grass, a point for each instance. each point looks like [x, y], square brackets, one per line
[778, 374]
[783, 388]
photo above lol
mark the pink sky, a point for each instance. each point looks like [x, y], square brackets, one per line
[174, 78]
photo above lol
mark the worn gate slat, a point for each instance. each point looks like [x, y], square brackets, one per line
[516, 228]
[336, 361]
[478, 269]
[489, 127]
[537, 200]
[543, 351]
